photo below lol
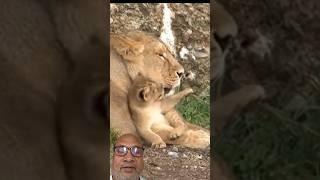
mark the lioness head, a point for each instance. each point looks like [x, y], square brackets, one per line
[147, 55]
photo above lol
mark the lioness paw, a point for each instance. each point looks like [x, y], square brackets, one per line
[254, 92]
[176, 132]
[199, 139]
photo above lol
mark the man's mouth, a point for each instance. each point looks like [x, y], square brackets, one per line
[128, 169]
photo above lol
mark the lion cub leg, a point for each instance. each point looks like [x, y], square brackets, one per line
[170, 102]
[151, 137]
[172, 116]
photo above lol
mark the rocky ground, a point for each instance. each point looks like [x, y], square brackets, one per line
[176, 162]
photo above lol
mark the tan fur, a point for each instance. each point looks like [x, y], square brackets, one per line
[223, 23]
[148, 108]
[134, 53]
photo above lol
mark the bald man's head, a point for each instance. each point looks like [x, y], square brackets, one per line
[127, 160]
[129, 138]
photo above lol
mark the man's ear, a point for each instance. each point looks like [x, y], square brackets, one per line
[127, 47]
[144, 94]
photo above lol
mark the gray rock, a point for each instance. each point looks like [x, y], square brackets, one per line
[173, 154]
[201, 54]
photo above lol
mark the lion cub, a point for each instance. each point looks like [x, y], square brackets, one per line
[148, 108]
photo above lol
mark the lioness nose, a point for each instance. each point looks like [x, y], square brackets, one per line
[180, 73]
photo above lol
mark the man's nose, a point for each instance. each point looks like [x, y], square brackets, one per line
[129, 157]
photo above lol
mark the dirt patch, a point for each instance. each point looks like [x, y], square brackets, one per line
[176, 162]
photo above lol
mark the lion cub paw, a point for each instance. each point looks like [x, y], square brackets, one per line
[189, 90]
[176, 133]
[157, 145]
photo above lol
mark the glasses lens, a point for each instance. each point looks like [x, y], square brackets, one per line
[137, 151]
[121, 150]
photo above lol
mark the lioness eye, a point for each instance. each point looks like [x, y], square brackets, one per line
[161, 56]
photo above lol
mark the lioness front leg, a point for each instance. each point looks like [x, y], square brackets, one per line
[151, 137]
[170, 102]
[177, 122]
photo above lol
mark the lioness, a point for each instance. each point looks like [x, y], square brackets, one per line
[148, 108]
[224, 28]
[134, 53]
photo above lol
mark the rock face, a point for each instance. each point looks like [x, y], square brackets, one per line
[191, 28]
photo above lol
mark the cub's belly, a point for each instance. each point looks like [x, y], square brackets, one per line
[159, 122]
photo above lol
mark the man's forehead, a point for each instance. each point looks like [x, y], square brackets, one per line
[128, 140]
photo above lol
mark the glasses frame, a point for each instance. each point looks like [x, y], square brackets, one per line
[127, 150]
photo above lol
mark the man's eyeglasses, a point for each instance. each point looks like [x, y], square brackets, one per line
[123, 150]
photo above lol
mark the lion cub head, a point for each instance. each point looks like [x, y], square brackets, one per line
[144, 91]
[147, 55]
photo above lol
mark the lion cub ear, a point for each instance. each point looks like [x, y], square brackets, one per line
[144, 94]
[127, 47]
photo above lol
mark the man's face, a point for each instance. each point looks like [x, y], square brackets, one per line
[127, 166]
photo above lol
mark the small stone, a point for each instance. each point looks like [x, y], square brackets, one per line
[158, 168]
[189, 31]
[183, 53]
[198, 54]
[199, 156]
[111, 20]
[193, 57]
[173, 154]
[175, 149]
[184, 156]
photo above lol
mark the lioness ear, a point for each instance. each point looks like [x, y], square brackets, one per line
[127, 47]
[144, 94]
